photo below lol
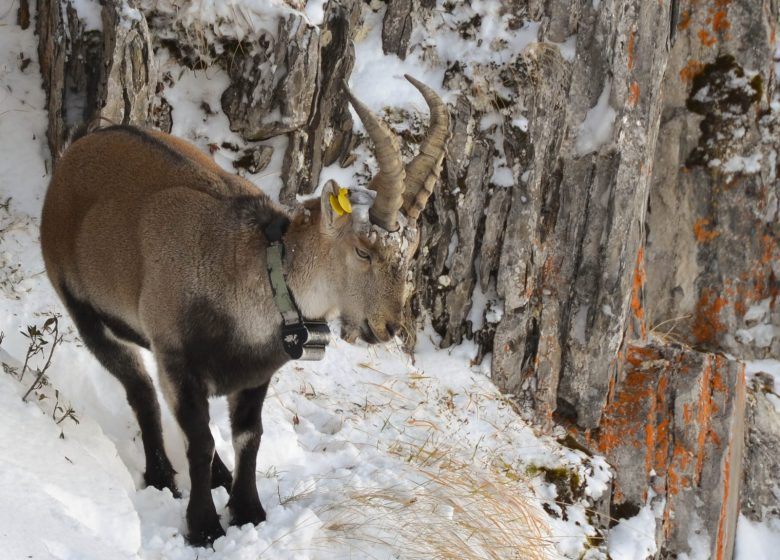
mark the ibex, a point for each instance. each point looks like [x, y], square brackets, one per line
[150, 244]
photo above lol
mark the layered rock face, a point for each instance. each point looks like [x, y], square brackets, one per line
[606, 227]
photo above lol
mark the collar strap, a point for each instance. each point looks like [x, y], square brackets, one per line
[302, 339]
[282, 297]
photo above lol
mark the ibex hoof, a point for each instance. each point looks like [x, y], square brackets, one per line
[205, 534]
[245, 513]
[161, 478]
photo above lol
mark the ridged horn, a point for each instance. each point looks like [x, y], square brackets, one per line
[389, 182]
[423, 171]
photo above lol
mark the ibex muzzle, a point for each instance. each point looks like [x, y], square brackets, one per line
[150, 244]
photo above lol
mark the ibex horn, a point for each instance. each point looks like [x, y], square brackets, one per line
[423, 171]
[389, 182]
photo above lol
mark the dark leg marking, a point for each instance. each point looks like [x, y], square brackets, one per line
[124, 363]
[191, 408]
[220, 474]
[246, 423]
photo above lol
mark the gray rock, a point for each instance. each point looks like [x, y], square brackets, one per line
[92, 74]
[272, 85]
[254, 160]
[761, 475]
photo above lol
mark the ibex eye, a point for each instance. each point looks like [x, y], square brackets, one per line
[362, 254]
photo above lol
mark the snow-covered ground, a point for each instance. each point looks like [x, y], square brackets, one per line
[370, 453]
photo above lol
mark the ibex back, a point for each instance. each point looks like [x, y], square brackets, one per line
[150, 244]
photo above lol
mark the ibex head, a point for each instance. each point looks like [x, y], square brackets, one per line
[369, 249]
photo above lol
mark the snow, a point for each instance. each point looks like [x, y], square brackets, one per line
[598, 483]
[742, 164]
[769, 366]
[90, 12]
[758, 332]
[378, 79]
[479, 301]
[234, 19]
[315, 11]
[757, 541]
[698, 540]
[596, 129]
[568, 48]
[48, 480]
[758, 311]
[521, 123]
[760, 336]
[633, 538]
[189, 94]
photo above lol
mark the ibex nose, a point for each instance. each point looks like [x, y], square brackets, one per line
[392, 328]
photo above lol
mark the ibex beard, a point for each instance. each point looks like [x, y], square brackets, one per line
[150, 244]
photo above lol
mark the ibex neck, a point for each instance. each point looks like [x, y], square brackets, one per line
[305, 262]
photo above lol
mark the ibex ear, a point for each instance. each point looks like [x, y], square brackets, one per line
[332, 207]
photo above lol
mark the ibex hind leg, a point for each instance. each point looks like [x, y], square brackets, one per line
[105, 336]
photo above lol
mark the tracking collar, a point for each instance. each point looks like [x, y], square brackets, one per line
[302, 339]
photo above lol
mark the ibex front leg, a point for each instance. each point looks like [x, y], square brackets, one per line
[188, 398]
[246, 423]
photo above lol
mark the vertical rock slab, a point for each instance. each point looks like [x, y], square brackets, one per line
[273, 80]
[90, 73]
[713, 235]
[326, 136]
[397, 27]
[52, 50]
[673, 428]
[125, 93]
[574, 232]
[761, 479]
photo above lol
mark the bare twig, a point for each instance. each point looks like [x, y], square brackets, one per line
[51, 325]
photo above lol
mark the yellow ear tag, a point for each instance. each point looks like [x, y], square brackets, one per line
[334, 202]
[341, 205]
[344, 200]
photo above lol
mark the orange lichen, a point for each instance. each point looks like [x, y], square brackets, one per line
[701, 232]
[703, 418]
[707, 324]
[717, 382]
[636, 291]
[682, 455]
[714, 438]
[631, 50]
[770, 247]
[633, 94]
[691, 69]
[721, 546]
[623, 422]
[661, 447]
[685, 20]
[677, 480]
[706, 38]
[719, 22]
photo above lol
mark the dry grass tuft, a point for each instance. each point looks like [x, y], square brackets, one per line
[455, 511]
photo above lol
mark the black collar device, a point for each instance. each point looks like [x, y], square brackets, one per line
[302, 339]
